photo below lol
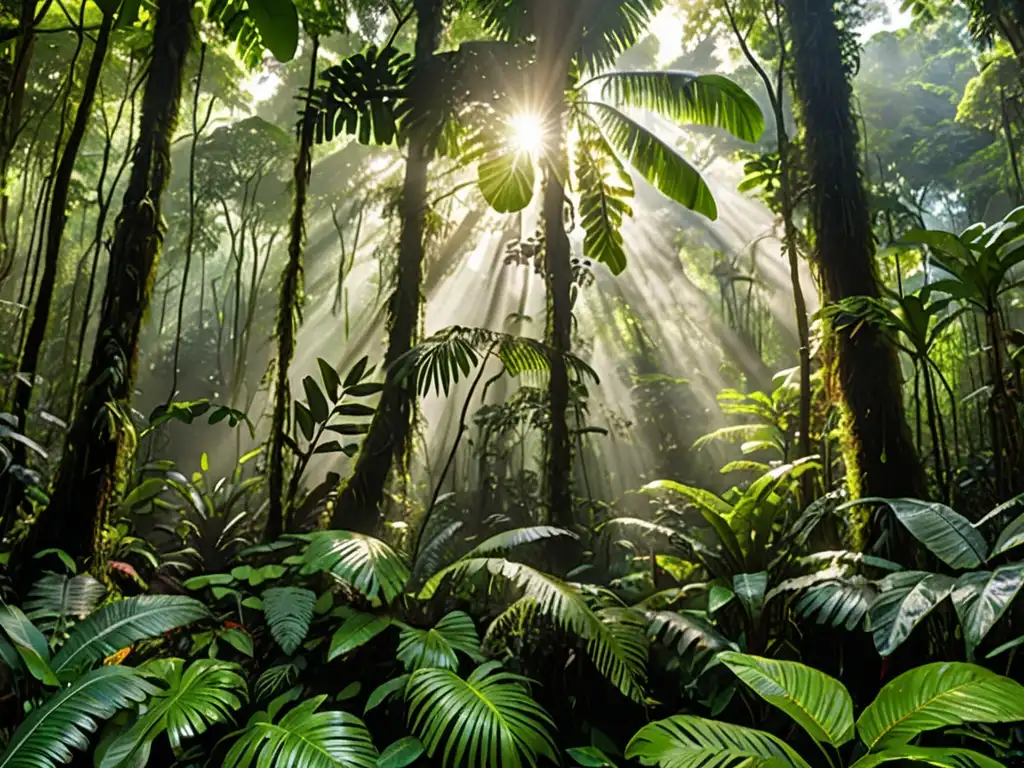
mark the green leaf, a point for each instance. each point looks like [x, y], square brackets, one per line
[29, 642]
[590, 757]
[278, 25]
[421, 648]
[750, 588]
[949, 536]
[64, 721]
[366, 563]
[818, 703]
[194, 699]
[488, 720]
[357, 630]
[304, 419]
[331, 379]
[1010, 537]
[685, 741]
[945, 757]
[981, 599]
[688, 99]
[289, 612]
[356, 373]
[938, 695]
[656, 161]
[905, 599]
[507, 181]
[318, 407]
[304, 737]
[401, 753]
[57, 600]
[605, 189]
[118, 625]
[238, 639]
[385, 691]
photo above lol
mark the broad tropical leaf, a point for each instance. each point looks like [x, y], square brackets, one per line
[686, 630]
[488, 720]
[656, 161]
[688, 99]
[1010, 537]
[365, 563]
[278, 24]
[818, 703]
[289, 612]
[304, 737]
[47, 736]
[565, 606]
[401, 753]
[605, 190]
[420, 648]
[981, 598]
[357, 630]
[118, 625]
[905, 599]
[949, 535]
[207, 692]
[29, 643]
[505, 542]
[57, 599]
[750, 588]
[838, 602]
[385, 691]
[945, 757]
[937, 695]
[507, 181]
[685, 741]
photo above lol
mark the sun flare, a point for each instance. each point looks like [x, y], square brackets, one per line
[526, 132]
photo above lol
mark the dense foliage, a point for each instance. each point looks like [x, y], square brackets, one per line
[511, 383]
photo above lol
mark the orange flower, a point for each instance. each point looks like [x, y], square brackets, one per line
[115, 659]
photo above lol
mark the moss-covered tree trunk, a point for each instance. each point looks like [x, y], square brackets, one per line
[881, 459]
[359, 505]
[289, 313]
[101, 438]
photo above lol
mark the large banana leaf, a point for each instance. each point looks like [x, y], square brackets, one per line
[63, 722]
[488, 720]
[981, 598]
[818, 703]
[565, 606]
[289, 612]
[304, 737]
[366, 563]
[945, 757]
[688, 99]
[506, 541]
[685, 741]
[656, 161]
[906, 599]
[118, 625]
[436, 647]
[194, 699]
[1010, 537]
[937, 695]
[949, 535]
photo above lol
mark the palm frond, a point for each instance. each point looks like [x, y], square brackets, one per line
[289, 612]
[194, 699]
[487, 720]
[63, 722]
[685, 741]
[57, 599]
[656, 161]
[436, 647]
[565, 606]
[118, 625]
[304, 737]
[357, 630]
[365, 563]
[506, 541]
[605, 191]
[688, 99]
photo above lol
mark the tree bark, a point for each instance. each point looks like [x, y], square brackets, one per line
[289, 314]
[56, 224]
[359, 505]
[91, 473]
[881, 459]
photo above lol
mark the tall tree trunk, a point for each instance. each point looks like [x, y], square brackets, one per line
[289, 312]
[359, 505]
[56, 224]
[880, 456]
[91, 474]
